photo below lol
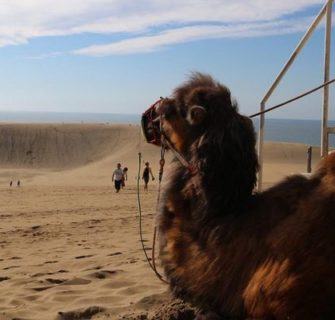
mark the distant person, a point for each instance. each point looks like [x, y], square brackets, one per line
[11, 183]
[117, 177]
[146, 175]
[18, 183]
[125, 176]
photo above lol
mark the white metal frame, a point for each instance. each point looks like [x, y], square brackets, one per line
[325, 11]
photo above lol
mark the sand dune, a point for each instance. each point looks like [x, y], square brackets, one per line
[85, 154]
[70, 154]
[63, 146]
[69, 245]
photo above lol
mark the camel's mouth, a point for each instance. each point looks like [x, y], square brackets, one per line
[150, 123]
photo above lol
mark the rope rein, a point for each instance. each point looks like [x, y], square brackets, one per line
[153, 255]
[293, 99]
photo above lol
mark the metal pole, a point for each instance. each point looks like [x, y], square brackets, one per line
[301, 44]
[324, 129]
[260, 147]
[326, 8]
[309, 159]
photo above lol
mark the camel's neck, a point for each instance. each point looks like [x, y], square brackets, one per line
[223, 187]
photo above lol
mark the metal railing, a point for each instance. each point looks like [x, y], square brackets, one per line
[325, 11]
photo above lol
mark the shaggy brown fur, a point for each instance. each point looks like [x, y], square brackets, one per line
[266, 256]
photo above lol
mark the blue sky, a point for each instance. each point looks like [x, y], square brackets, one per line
[119, 56]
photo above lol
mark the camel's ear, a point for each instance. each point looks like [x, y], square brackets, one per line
[196, 115]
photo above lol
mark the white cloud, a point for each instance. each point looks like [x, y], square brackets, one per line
[186, 34]
[23, 20]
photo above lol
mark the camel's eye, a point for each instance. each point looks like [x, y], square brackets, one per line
[197, 114]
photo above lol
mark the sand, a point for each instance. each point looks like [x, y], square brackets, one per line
[69, 245]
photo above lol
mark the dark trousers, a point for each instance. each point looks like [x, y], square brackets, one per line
[117, 184]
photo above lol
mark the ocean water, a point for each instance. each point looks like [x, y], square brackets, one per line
[301, 131]
[285, 130]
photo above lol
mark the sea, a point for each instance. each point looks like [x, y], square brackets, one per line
[285, 130]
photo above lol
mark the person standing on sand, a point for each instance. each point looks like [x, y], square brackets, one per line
[125, 176]
[18, 183]
[117, 177]
[11, 183]
[145, 176]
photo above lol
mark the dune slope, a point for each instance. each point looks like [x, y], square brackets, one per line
[61, 145]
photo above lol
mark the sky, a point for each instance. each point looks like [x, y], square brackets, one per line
[120, 56]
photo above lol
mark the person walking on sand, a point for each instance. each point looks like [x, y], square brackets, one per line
[117, 177]
[146, 175]
[11, 183]
[125, 176]
[18, 183]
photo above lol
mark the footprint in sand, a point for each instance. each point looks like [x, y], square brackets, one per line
[52, 261]
[80, 314]
[95, 220]
[132, 260]
[76, 281]
[11, 267]
[103, 274]
[61, 271]
[114, 254]
[55, 281]
[15, 258]
[65, 282]
[48, 273]
[4, 279]
[84, 256]
[38, 289]
[36, 234]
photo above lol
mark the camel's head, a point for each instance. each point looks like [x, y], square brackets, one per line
[196, 107]
[202, 122]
